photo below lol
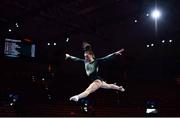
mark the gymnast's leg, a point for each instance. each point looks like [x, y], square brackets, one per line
[112, 86]
[92, 88]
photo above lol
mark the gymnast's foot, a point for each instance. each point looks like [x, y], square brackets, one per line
[74, 98]
[121, 88]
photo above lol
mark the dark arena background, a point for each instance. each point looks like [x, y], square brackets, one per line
[36, 80]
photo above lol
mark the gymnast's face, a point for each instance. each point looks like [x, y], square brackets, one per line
[88, 56]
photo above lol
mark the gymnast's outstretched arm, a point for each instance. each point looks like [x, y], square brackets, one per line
[73, 58]
[110, 56]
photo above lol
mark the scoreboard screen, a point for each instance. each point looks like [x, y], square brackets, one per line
[16, 48]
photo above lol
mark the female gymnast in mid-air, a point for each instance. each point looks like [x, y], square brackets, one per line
[91, 67]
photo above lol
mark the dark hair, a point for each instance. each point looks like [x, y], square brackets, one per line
[87, 48]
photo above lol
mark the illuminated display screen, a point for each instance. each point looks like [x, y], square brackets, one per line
[16, 48]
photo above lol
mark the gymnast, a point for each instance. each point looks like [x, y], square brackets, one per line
[91, 68]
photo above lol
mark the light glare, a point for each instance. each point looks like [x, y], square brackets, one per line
[170, 41]
[156, 14]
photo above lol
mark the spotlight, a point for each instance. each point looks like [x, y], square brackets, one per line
[67, 40]
[147, 14]
[54, 43]
[84, 105]
[152, 44]
[49, 97]
[43, 79]
[11, 104]
[156, 14]
[151, 107]
[10, 30]
[10, 95]
[135, 21]
[14, 100]
[151, 110]
[85, 109]
[48, 44]
[17, 25]
[33, 78]
[163, 41]
[170, 41]
[147, 46]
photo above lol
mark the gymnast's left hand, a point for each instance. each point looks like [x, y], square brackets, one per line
[119, 52]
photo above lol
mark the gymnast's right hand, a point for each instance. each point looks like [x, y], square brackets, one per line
[67, 56]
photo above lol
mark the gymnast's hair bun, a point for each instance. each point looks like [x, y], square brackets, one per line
[86, 47]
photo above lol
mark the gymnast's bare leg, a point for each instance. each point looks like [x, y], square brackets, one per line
[95, 86]
[112, 86]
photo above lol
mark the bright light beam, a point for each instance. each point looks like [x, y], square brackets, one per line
[156, 14]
